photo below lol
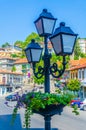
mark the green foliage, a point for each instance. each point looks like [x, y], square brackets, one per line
[57, 59]
[34, 101]
[19, 44]
[13, 69]
[73, 85]
[77, 50]
[23, 44]
[75, 110]
[14, 115]
[33, 36]
[41, 80]
[14, 55]
[24, 69]
[54, 58]
[83, 55]
[57, 90]
[6, 45]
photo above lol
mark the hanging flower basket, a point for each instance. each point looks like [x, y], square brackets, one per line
[41, 103]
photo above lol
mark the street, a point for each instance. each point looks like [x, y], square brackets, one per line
[66, 121]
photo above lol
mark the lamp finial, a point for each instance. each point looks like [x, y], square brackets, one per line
[45, 10]
[33, 40]
[62, 24]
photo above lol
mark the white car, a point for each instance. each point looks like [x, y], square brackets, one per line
[83, 105]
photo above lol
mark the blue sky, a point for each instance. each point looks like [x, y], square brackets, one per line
[17, 17]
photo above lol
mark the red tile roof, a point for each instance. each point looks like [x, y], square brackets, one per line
[6, 55]
[21, 61]
[3, 71]
[77, 64]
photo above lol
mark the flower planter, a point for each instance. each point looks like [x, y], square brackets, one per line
[37, 102]
[50, 110]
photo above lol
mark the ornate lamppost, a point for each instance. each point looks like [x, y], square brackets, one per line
[63, 41]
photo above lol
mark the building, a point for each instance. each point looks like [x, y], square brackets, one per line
[9, 79]
[82, 43]
[22, 66]
[77, 70]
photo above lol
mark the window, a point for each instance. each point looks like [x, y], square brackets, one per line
[76, 75]
[79, 74]
[83, 74]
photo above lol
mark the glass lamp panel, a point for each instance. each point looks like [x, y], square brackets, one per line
[39, 26]
[28, 55]
[56, 42]
[68, 43]
[36, 53]
[48, 25]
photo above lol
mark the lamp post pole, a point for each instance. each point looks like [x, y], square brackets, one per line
[46, 66]
[47, 80]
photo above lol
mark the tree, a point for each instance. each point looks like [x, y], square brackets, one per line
[73, 85]
[54, 59]
[19, 44]
[39, 81]
[6, 45]
[83, 55]
[35, 36]
[23, 44]
[36, 80]
[77, 50]
[14, 55]
[59, 60]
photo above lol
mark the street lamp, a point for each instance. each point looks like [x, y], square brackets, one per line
[63, 41]
[33, 52]
[45, 23]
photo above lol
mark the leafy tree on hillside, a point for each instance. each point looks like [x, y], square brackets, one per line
[6, 45]
[35, 36]
[19, 44]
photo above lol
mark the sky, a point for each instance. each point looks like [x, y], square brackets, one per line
[17, 17]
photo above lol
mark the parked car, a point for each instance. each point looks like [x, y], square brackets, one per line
[83, 105]
[36, 89]
[57, 85]
[76, 101]
[11, 97]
